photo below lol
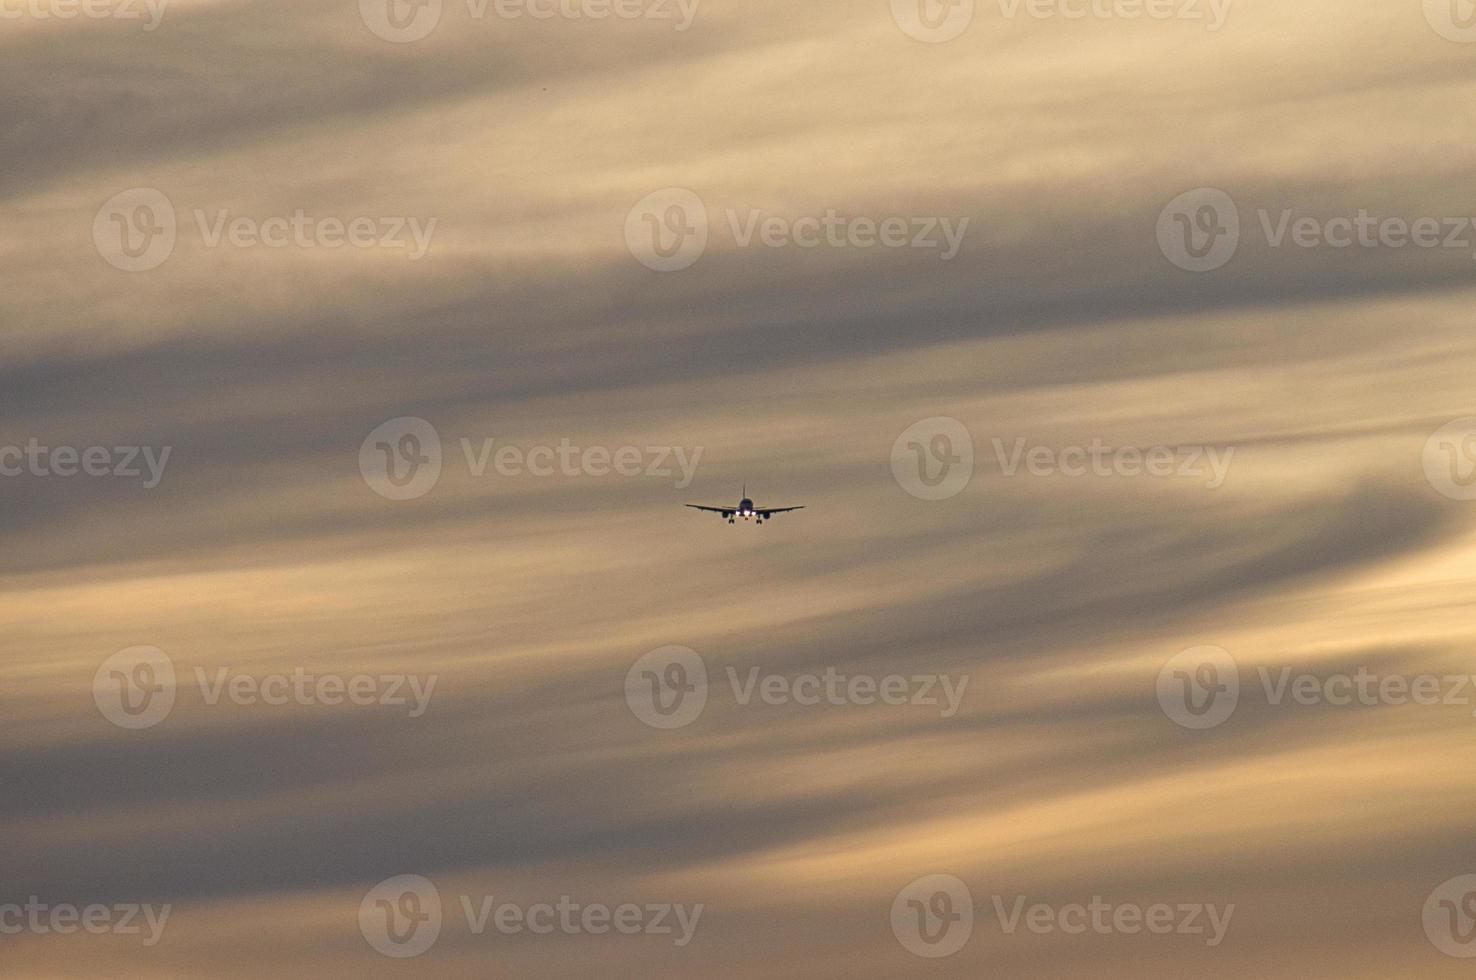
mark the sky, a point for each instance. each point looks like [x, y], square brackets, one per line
[359, 358]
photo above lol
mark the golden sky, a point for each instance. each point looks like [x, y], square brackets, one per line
[181, 184]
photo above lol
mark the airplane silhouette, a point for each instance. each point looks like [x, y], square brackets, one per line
[745, 509]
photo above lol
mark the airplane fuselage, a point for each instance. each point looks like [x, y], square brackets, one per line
[746, 509]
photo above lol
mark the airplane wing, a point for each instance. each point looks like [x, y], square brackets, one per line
[766, 511]
[715, 510]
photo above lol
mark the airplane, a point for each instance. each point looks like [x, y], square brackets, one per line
[746, 510]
